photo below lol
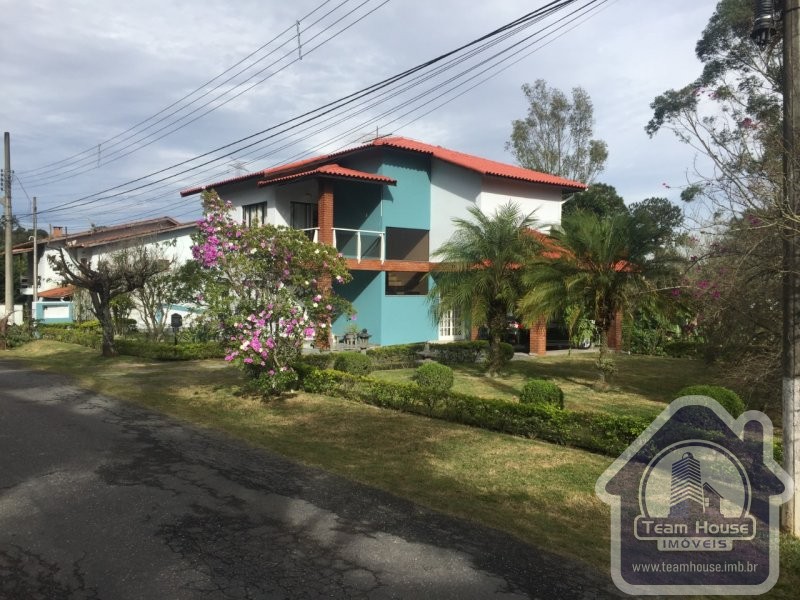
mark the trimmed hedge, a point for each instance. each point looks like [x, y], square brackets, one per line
[167, 351]
[434, 376]
[354, 363]
[729, 399]
[90, 337]
[87, 336]
[401, 356]
[596, 432]
[541, 391]
[460, 352]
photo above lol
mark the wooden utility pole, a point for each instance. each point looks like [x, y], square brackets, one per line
[35, 259]
[791, 258]
[9, 296]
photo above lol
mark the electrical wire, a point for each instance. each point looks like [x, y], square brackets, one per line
[555, 5]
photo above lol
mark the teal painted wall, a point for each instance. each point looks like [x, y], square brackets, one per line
[391, 319]
[406, 319]
[39, 312]
[365, 292]
[408, 204]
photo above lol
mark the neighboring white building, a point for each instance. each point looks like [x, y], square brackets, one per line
[55, 305]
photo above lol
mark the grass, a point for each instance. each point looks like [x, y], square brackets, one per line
[641, 388]
[533, 490]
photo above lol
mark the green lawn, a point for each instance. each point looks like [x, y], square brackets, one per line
[534, 490]
[641, 388]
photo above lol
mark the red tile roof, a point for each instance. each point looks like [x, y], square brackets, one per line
[333, 171]
[59, 292]
[484, 166]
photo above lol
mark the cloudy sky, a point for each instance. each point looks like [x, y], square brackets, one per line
[110, 104]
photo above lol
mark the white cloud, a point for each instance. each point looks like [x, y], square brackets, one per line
[79, 72]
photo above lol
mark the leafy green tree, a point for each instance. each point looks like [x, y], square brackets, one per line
[732, 116]
[600, 198]
[556, 135]
[481, 271]
[600, 266]
[657, 221]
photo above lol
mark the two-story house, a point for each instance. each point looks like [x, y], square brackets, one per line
[388, 205]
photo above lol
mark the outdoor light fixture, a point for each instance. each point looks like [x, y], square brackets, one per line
[176, 322]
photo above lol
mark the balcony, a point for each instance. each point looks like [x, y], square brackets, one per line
[355, 243]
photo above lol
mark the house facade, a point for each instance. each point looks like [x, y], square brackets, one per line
[388, 206]
[54, 300]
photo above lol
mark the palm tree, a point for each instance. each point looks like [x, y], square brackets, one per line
[481, 270]
[600, 265]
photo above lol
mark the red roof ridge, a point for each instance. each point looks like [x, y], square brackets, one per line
[484, 166]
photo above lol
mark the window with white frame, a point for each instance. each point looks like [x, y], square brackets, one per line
[254, 214]
[451, 326]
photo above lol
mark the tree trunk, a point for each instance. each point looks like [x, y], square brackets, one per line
[107, 323]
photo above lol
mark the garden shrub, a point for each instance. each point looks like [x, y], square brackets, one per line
[729, 399]
[168, 351]
[506, 352]
[434, 376]
[400, 356]
[596, 432]
[541, 391]
[460, 352]
[84, 336]
[354, 363]
[17, 335]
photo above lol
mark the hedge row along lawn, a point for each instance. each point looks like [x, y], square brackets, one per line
[534, 490]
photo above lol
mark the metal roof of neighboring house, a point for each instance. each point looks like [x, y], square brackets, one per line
[484, 166]
[58, 292]
[333, 171]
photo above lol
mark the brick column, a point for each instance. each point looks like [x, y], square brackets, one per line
[538, 338]
[615, 333]
[473, 333]
[325, 212]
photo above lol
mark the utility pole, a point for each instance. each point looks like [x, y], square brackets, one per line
[791, 252]
[765, 29]
[9, 296]
[35, 258]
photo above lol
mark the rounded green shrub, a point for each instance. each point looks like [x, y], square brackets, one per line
[434, 376]
[354, 363]
[506, 351]
[541, 391]
[729, 399]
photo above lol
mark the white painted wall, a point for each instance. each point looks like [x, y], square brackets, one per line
[453, 190]
[543, 201]
[277, 197]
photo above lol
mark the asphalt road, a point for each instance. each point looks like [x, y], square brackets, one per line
[102, 499]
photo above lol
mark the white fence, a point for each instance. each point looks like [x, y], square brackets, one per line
[17, 316]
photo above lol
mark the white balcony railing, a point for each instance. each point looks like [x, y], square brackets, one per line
[356, 243]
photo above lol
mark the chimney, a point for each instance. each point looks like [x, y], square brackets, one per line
[57, 232]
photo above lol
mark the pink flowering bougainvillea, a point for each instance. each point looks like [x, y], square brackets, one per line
[269, 288]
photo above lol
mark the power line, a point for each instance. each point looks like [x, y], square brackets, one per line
[557, 5]
[87, 164]
[91, 150]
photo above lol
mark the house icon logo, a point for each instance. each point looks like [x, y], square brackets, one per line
[694, 504]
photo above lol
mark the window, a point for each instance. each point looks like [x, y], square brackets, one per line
[403, 243]
[254, 214]
[451, 326]
[402, 283]
[304, 215]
